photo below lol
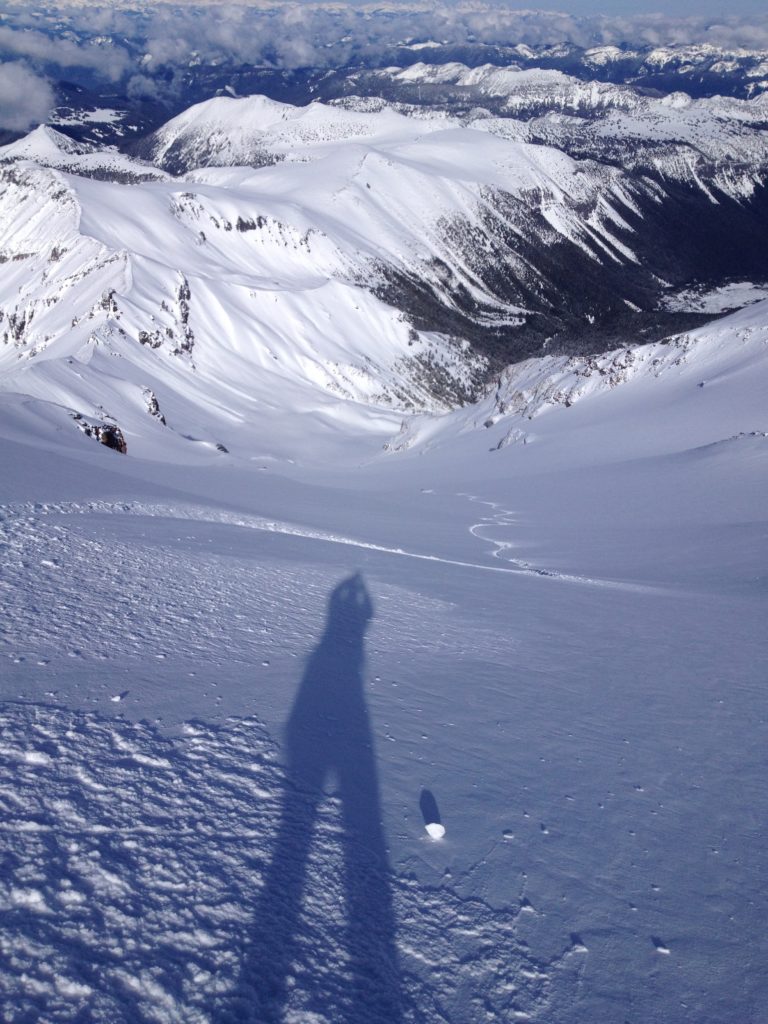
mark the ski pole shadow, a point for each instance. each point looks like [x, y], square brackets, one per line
[328, 740]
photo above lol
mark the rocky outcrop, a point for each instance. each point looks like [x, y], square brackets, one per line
[108, 434]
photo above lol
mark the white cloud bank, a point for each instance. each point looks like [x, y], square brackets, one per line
[110, 61]
[307, 34]
[115, 38]
[25, 98]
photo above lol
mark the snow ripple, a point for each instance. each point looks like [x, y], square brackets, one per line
[105, 580]
[133, 898]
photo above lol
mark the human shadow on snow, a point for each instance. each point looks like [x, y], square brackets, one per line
[355, 978]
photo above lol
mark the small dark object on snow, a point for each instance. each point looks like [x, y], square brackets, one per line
[108, 434]
[112, 437]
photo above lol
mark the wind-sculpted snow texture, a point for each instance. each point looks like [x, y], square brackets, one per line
[139, 886]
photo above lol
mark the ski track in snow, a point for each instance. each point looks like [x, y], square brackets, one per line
[133, 866]
[88, 594]
[501, 518]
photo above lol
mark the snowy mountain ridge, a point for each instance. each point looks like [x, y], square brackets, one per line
[51, 148]
[701, 134]
[692, 141]
[355, 259]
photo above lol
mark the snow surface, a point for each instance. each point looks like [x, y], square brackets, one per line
[717, 300]
[314, 616]
[253, 283]
[716, 141]
[229, 680]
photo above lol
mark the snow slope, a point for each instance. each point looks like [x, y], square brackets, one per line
[356, 258]
[180, 295]
[219, 291]
[236, 689]
[714, 143]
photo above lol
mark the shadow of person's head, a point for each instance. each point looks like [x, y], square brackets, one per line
[350, 609]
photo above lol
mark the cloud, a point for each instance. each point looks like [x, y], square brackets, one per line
[25, 98]
[110, 61]
[142, 87]
[303, 34]
[114, 39]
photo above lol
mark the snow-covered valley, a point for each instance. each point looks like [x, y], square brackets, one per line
[338, 571]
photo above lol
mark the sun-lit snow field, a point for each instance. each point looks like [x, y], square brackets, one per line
[238, 686]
